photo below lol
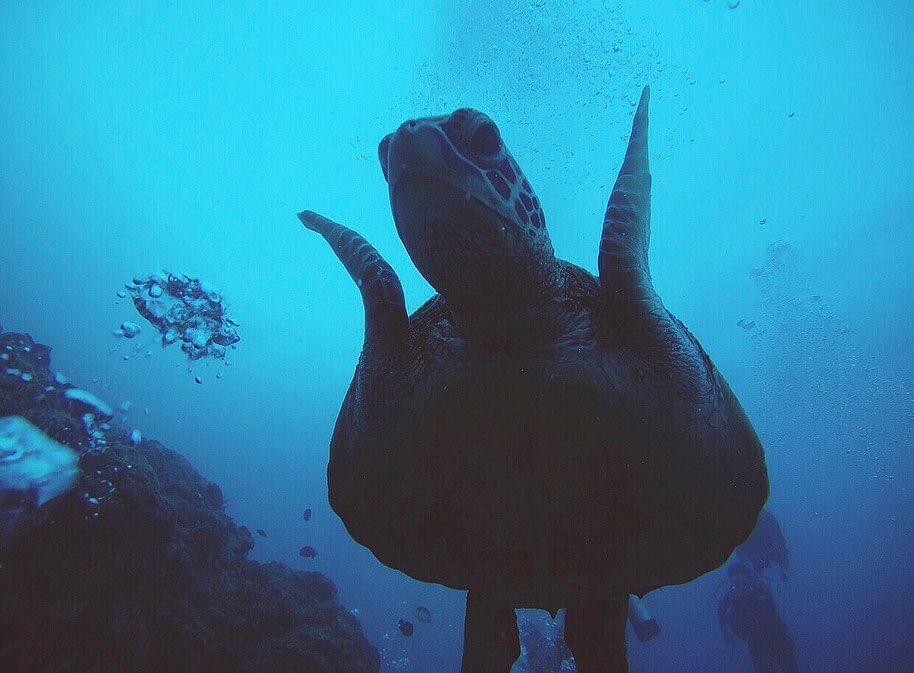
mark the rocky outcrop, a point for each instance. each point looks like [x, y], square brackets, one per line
[140, 569]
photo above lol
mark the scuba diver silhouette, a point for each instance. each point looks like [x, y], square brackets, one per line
[747, 611]
[766, 546]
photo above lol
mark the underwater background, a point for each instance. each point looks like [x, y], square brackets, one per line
[186, 137]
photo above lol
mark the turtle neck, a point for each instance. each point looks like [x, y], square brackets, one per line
[521, 314]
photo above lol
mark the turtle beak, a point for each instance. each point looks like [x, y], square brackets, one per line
[383, 151]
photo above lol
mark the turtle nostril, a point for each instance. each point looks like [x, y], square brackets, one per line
[411, 125]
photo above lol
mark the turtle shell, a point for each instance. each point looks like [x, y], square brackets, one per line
[547, 474]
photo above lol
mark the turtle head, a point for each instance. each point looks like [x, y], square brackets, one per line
[466, 214]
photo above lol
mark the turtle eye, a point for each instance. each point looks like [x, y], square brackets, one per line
[485, 140]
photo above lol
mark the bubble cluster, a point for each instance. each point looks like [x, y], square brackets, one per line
[185, 309]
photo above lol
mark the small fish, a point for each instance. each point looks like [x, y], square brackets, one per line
[406, 628]
[198, 379]
[307, 552]
[261, 532]
[306, 515]
[423, 615]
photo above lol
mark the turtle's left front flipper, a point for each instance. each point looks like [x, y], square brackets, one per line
[385, 310]
[623, 264]
[635, 309]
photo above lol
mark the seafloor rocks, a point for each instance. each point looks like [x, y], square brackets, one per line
[139, 569]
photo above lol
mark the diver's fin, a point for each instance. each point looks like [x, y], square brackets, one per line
[382, 294]
[622, 262]
[491, 642]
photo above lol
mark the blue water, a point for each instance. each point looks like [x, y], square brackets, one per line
[184, 137]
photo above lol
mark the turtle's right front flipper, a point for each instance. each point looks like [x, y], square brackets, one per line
[385, 310]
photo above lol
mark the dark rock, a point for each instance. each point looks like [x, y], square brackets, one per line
[140, 569]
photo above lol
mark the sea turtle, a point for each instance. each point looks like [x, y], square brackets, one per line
[534, 434]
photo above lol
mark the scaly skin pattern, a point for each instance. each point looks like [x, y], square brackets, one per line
[538, 435]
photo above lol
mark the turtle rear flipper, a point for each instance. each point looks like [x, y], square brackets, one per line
[491, 641]
[595, 634]
[623, 264]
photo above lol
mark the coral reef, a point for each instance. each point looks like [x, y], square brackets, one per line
[139, 569]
